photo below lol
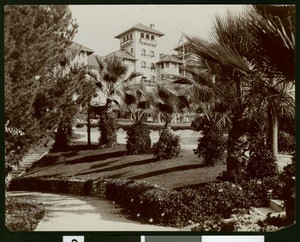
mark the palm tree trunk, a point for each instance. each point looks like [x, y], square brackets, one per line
[89, 125]
[273, 132]
[237, 146]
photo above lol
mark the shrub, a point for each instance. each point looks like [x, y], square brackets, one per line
[262, 163]
[138, 138]
[211, 147]
[286, 142]
[168, 145]
[108, 126]
[22, 215]
[150, 203]
[63, 136]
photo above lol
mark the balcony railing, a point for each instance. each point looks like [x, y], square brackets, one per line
[148, 42]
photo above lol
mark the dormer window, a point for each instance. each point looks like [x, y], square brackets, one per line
[142, 35]
[152, 37]
[147, 36]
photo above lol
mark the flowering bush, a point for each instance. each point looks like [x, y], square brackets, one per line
[138, 138]
[22, 215]
[150, 203]
[168, 145]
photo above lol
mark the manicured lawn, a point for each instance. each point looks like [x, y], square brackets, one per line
[89, 162]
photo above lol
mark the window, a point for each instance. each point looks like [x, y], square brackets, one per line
[124, 39]
[142, 35]
[152, 37]
[162, 65]
[152, 66]
[127, 37]
[131, 50]
[152, 53]
[143, 64]
[147, 36]
[167, 65]
[130, 36]
[143, 52]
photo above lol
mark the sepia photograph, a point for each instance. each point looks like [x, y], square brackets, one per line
[160, 118]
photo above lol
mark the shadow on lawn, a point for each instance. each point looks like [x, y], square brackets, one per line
[168, 170]
[117, 167]
[92, 158]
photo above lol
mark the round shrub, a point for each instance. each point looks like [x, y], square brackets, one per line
[286, 142]
[168, 145]
[138, 138]
[262, 163]
[63, 136]
[211, 147]
[108, 126]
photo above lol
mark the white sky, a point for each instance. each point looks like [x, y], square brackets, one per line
[99, 24]
[235, 238]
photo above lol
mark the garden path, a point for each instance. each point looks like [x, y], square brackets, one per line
[78, 213]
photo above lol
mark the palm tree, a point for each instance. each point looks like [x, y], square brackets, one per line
[110, 80]
[229, 69]
[273, 30]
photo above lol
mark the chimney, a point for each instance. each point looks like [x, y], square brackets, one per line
[151, 26]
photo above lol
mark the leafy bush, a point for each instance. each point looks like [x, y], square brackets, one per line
[150, 203]
[108, 126]
[22, 215]
[262, 163]
[286, 142]
[63, 136]
[168, 145]
[211, 147]
[138, 138]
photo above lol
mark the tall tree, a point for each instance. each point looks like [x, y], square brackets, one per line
[111, 80]
[232, 68]
[35, 39]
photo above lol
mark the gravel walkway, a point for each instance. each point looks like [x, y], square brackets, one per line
[77, 213]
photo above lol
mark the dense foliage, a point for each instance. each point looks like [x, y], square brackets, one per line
[212, 144]
[23, 215]
[108, 126]
[138, 138]
[262, 163]
[150, 203]
[167, 146]
[38, 94]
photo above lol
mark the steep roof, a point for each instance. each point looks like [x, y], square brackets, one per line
[169, 58]
[74, 48]
[123, 53]
[142, 27]
[92, 60]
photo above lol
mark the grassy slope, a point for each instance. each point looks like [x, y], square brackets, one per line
[83, 162]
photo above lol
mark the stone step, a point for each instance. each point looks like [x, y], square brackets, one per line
[264, 211]
[277, 205]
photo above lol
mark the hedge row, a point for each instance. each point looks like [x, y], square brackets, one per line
[95, 188]
[149, 203]
[152, 126]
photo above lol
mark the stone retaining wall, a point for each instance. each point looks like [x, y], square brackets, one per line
[94, 188]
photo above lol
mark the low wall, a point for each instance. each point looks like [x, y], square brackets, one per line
[94, 188]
